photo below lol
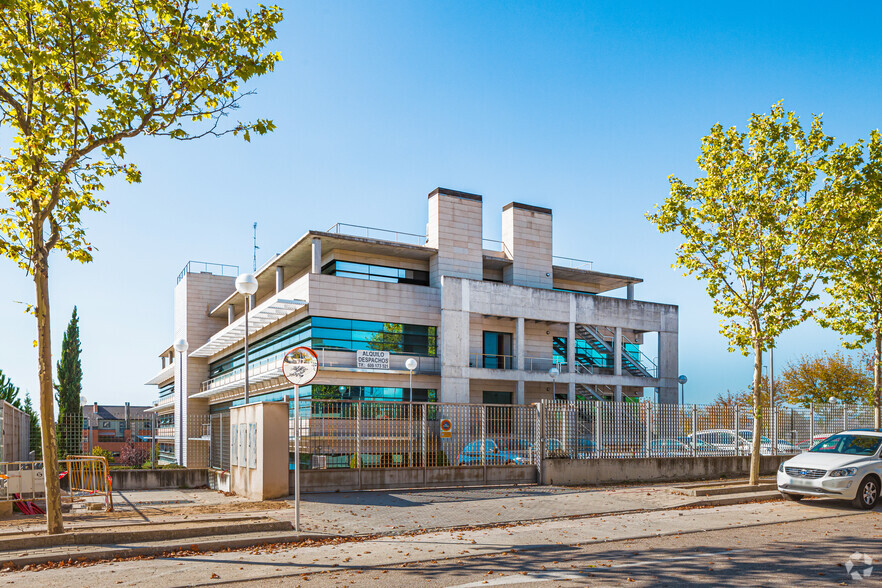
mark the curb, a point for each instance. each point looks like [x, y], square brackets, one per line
[109, 553]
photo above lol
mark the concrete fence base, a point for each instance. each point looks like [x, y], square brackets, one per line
[342, 480]
[590, 472]
[158, 479]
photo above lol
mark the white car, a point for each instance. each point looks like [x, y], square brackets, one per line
[846, 465]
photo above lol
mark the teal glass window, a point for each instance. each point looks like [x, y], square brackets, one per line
[497, 351]
[167, 390]
[376, 273]
[334, 333]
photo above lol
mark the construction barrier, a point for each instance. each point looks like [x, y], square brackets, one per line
[88, 474]
[22, 482]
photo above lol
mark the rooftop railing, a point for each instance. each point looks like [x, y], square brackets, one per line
[376, 233]
[495, 245]
[218, 269]
[579, 264]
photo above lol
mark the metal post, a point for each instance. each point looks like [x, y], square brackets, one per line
[811, 424]
[597, 430]
[694, 429]
[358, 441]
[648, 428]
[425, 439]
[247, 310]
[737, 429]
[484, 440]
[153, 459]
[774, 430]
[410, 433]
[296, 451]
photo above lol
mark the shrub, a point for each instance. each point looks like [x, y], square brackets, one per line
[133, 456]
[102, 453]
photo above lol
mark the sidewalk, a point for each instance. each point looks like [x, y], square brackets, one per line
[154, 522]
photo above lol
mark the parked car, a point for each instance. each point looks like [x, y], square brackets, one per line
[678, 448]
[471, 455]
[525, 448]
[809, 443]
[588, 448]
[722, 440]
[766, 444]
[846, 465]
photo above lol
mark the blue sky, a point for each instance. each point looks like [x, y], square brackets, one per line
[585, 108]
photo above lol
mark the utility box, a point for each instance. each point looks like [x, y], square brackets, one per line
[259, 450]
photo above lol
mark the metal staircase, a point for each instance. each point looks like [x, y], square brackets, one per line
[599, 343]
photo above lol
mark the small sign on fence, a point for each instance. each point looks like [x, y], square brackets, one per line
[371, 359]
[446, 429]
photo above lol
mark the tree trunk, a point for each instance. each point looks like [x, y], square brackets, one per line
[757, 411]
[877, 376]
[54, 523]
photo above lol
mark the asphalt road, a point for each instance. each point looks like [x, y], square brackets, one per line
[769, 544]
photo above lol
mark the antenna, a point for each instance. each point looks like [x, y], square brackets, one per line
[255, 248]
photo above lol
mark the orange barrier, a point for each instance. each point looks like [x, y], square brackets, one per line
[90, 474]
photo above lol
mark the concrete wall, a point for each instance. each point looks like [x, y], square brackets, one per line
[526, 233]
[455, 230]
[590, 472]
[158, 479]
[343, 480]
[195, 295]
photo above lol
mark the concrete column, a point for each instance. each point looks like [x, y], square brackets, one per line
[617, 361]
[231, 313]
[668, 367]
[630, 290]
[316, 255]
[519, 359]
[280, 278]
[453, 340]
[571, 360]
[617, 352]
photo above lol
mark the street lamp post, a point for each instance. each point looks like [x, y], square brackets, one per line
[410, 364]
[180, 346]
[246, 284]
[682, 380]
[554, 372]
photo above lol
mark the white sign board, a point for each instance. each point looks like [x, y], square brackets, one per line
[372, 360]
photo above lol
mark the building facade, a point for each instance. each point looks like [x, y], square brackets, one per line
[112, 426]
[485, 320]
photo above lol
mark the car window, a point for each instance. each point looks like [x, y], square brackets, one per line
[849, 445]
[727, 438]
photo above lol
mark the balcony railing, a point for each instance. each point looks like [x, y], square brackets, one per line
[376, 233]
[509, 362]
[271, 367]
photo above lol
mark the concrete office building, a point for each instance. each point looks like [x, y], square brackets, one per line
[486, 320]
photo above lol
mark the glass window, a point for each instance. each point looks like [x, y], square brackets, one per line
[849, 444]
[377, 273]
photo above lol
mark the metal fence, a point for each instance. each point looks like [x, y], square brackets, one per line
[368, 434]
[352, 434]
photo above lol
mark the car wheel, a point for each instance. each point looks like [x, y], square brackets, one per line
[867, 494]
[792, 497]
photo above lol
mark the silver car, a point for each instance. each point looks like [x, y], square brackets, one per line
[846, 465]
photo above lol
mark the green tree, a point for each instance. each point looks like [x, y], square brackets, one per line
[78, 80]
[68, 390]
[35, 439]
[746, 226]
[9, 391]
[815, 379]
[850, 253]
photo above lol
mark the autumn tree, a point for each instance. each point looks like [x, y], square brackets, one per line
[745, 226]
[850, 254]
[817, 378]
[78, 80]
